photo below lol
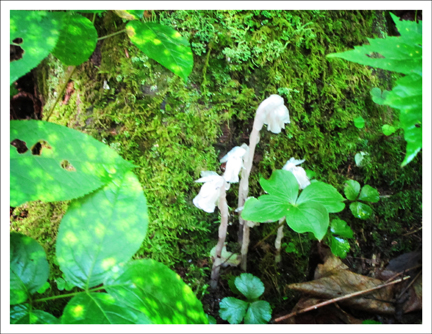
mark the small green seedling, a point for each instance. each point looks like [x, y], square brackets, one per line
[367, 194]
[336, 237]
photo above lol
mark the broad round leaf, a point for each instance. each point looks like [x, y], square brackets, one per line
[101, 230]
[232, 309]
[324, 194]
[369, 194]
[250, 286]
[77, 41]
[59, 163]
[339, 247]
[156, 291]
[266, 208]
[352, 190]
[309, 217]
[361, 210]
[340, 227]
[29, 268]
[23, 314]
[359, 122]
[39, 31]
[100, 308]
[259, 312]
[388, 130]
[163, 44]
[283, 184]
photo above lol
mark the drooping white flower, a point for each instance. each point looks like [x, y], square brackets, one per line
[298, 172]
[272, 112]
[234, 163]
[209, 193]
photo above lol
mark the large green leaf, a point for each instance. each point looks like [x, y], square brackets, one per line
[100, 308]
[23, 314]
[361, 210]
[39, 31]
[163, 44]
[369, 194]
[59, 164]
[101, 230]
[309, 217]
[232, 309]
[77, 41]
[352, 190]
[282, 183]
[264, 209]
[156, 291]
[249, 285]
[259, 312]
[324, 194]
[29, 268]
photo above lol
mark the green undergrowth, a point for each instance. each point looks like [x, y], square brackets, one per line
[174, 130]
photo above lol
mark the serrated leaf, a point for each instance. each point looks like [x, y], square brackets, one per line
[39, 31]
[283, 184]
[340, 227]
[163, 44]
[23, 314]
[70, 164]
[100, 308]
[130, 14]
[259, 312]
[77, 41]
[232, 309]
[249, 285]
[361, 210]
[29, 268]
[388, 130]
[352, 190]
[264, 209]
[339, 246]
[324, 194]
[377, 96]
[309, 217]
[359, 122]
[369, 194]
[101, 230]
[156, 291]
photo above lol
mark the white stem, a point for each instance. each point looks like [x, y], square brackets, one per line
[279, 237]
[223, 208]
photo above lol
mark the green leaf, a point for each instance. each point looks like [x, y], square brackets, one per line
[156, 291]
[59, 164]
[283, 184]
[43, 288]
[324, 194]
[77, 41]
[340, 227]
[130, 14]
[371, 322]
[39, 31]
[23, 314]
[369, 194]
[232, 309]
[377, 96]
[100, 308]
[309, 217]
[352, 190]
[60, 283]
[259, 312]
[388, 130]
[250, 286]
[231, 284]
[359, 122]
[310, 173]
[29, 268]
[163, 44]
[339, 247]
[211, 320]
[265, 208]
[361, 210]
[101, 230]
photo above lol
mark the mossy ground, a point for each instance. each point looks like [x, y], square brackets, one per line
[174, 130]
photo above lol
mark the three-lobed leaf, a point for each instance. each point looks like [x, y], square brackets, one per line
[25, 315]
[352, 190]
[369, 194]
[232, 309]
[249, 285]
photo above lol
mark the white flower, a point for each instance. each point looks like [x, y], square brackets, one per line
[234, 163]
[298, 172]
[273, 113]
[208, 196]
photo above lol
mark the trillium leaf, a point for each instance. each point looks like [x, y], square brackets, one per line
[100, 308]
[101, 230]
[352, 190]
[23, 314]
[339, 247]
[340, 227]
[324, 194]
[259, 312]
[50, 162]
[359, 122]
[232, 309]
[29, 268]
[77, 41]
[264, 209]
[156, 291]
[283, 184]
[369, 194]
[249, 285]
[361, 210]
[309, 217]
[39, 31]
[163, 44]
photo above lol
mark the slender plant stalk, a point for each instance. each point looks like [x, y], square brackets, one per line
[223, 208]
[279, 237]
[113, 34]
